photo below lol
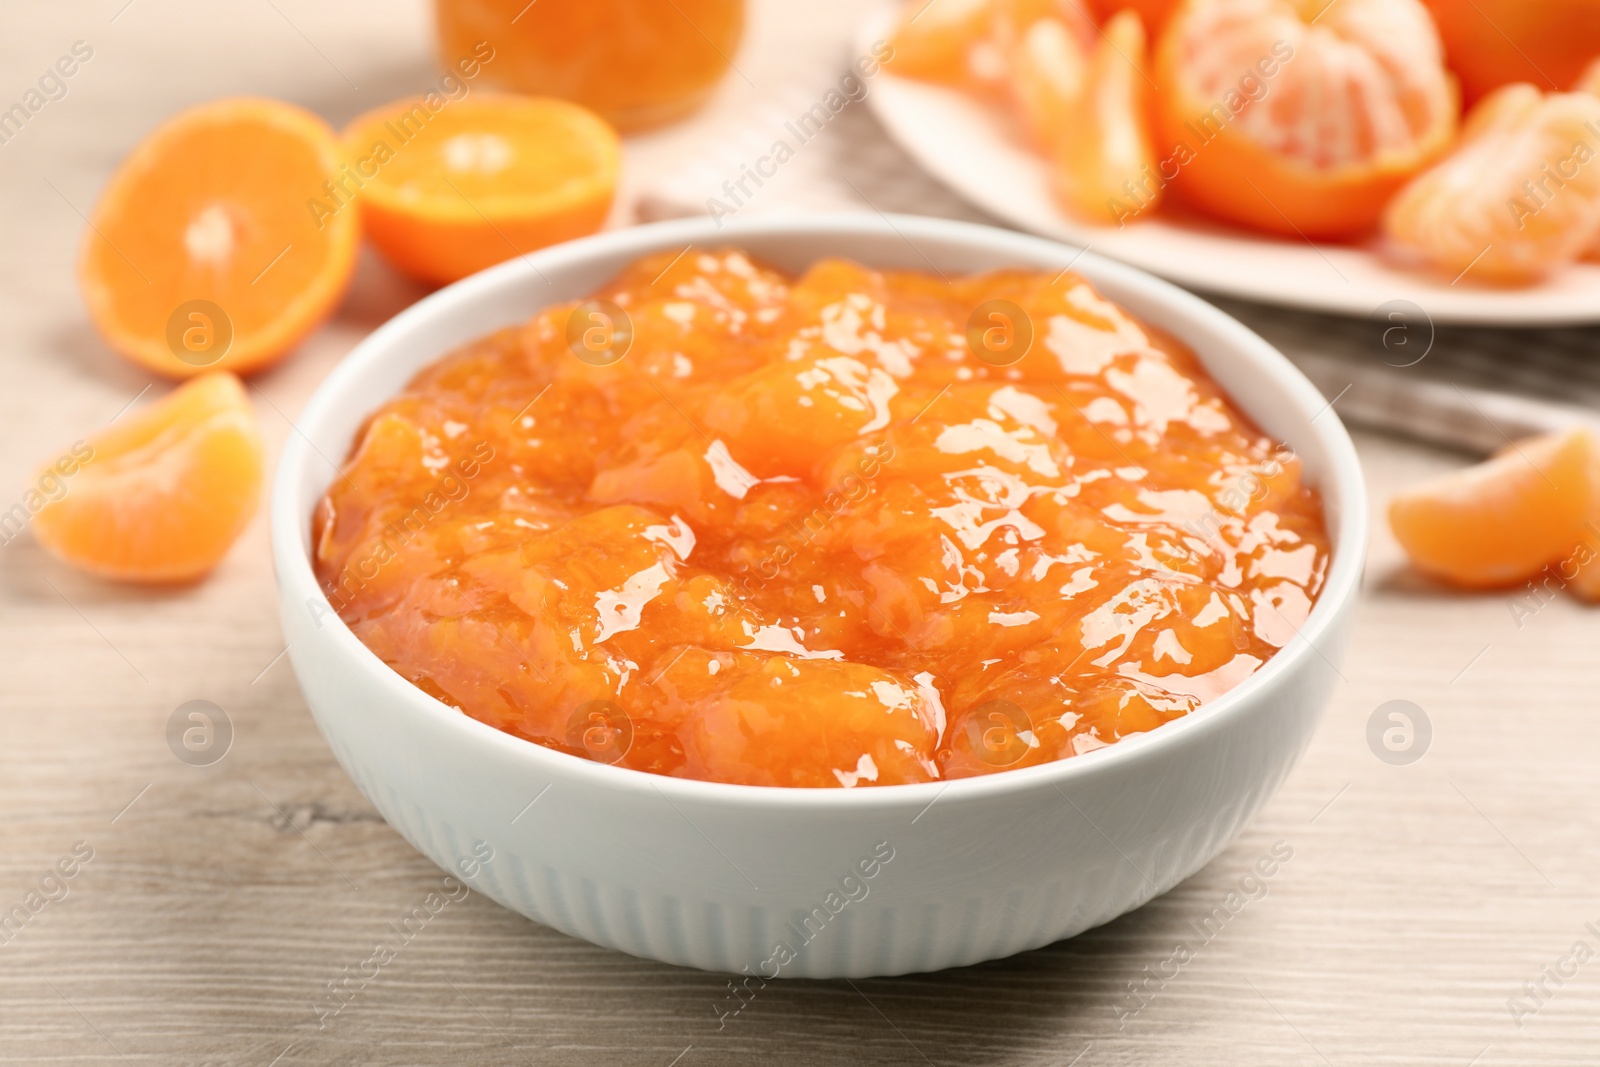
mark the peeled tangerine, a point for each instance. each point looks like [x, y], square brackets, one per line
[166, 491]
[1518, 199]
[1503, 521]
[1299, 117]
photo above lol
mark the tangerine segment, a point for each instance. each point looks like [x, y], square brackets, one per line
[167, 490]
[1508, 108]
[1584, 563]
[212, 208]
[1300, 117]
[933, 39]
[972, 44]
[1009, 20]
[1103, 160]
[1517, 200]
[448, 191]
[1501, 521]
[993, 60]
[1490, 43]
[821, 531]
[1049, 69]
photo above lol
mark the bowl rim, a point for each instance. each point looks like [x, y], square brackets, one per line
[297, 585]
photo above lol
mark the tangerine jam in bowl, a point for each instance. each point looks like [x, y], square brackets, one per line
[639, 63]
[634, 589]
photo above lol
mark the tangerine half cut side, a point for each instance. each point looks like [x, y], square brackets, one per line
[449, 190]
[202, 252]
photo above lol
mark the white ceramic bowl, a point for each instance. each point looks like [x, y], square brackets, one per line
[861, 882]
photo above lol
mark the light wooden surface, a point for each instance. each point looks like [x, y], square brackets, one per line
[220, 901]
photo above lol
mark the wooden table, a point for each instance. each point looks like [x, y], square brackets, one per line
[220, 901]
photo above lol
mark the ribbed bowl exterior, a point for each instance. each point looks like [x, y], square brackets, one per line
[811, 883]
[718, 886]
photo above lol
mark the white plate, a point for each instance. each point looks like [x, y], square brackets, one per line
[973, 149]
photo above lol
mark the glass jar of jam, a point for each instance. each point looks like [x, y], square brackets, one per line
[639, 63]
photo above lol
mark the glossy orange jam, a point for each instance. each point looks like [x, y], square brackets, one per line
[639, 63]
[821, 532]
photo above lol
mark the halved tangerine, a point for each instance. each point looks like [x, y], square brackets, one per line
[166, 491]
[448, 190]
[201, 254]
[1518, 199]
[1299, 117]
[1502, 521]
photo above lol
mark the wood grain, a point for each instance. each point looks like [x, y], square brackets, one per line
[220, 901]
